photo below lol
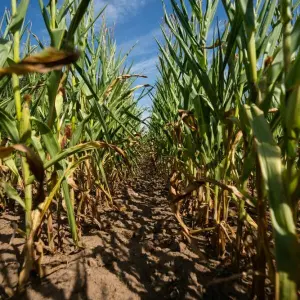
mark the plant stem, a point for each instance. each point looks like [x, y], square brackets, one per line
[286, 17]
[16, 53]
[28, 195]
[53, 14]
[17, 96]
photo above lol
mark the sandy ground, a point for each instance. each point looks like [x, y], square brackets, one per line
[135, 254]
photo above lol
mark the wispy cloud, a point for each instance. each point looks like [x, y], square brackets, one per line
[144, 54]
[147, 66]
[144, 45]
[120, 10]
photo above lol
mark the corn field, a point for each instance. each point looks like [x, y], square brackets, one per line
[223, 132]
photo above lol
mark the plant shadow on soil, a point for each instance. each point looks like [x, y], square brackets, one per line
[135, 254]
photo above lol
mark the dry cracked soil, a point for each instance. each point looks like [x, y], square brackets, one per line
[134, 254]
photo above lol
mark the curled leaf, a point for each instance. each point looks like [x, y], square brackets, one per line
[196, 184]
[34, 161]
[84, 147]
[48, 60]
[12, 193]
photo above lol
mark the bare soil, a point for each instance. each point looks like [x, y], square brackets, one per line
[135, 254]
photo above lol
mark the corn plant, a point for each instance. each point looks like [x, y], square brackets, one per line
[227, 116]
[65, 115]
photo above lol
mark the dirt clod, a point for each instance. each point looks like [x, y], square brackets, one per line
[92, 262]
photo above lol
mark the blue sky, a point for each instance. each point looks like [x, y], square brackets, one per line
[134, 21]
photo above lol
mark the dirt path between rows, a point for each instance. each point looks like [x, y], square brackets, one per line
[135, 254]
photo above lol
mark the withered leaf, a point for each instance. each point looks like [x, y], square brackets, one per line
[35, 164]
[48, 60]
[34, 161]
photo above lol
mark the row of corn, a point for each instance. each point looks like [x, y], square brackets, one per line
[69, 120]
[226, 125]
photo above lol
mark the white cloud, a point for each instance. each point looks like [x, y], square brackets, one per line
[119, 10]
[144, 45]
[147, 66]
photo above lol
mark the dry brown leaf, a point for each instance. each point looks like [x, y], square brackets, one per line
[48, 60]
[72, 183]
[35, 164]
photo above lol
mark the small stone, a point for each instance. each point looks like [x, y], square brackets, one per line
[194, 277]
[115, 265]
[149, 246]
[92, 262]
[182, 247]
[127, 234]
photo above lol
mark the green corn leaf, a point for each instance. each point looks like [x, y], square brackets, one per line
[296, 4]
[70, 208]
[79, 148]
[18, 18]
[81, 10]
[247, 8]
[57, 36]
[38, 147]
[94, 21]
[10, 163]
[48, 137]
[269, 156]
[45, 16]
[5, 49]
[79, 130]
[45, 206]
[64, 10]
[12, 193]
[53, 148]
[9, 125]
